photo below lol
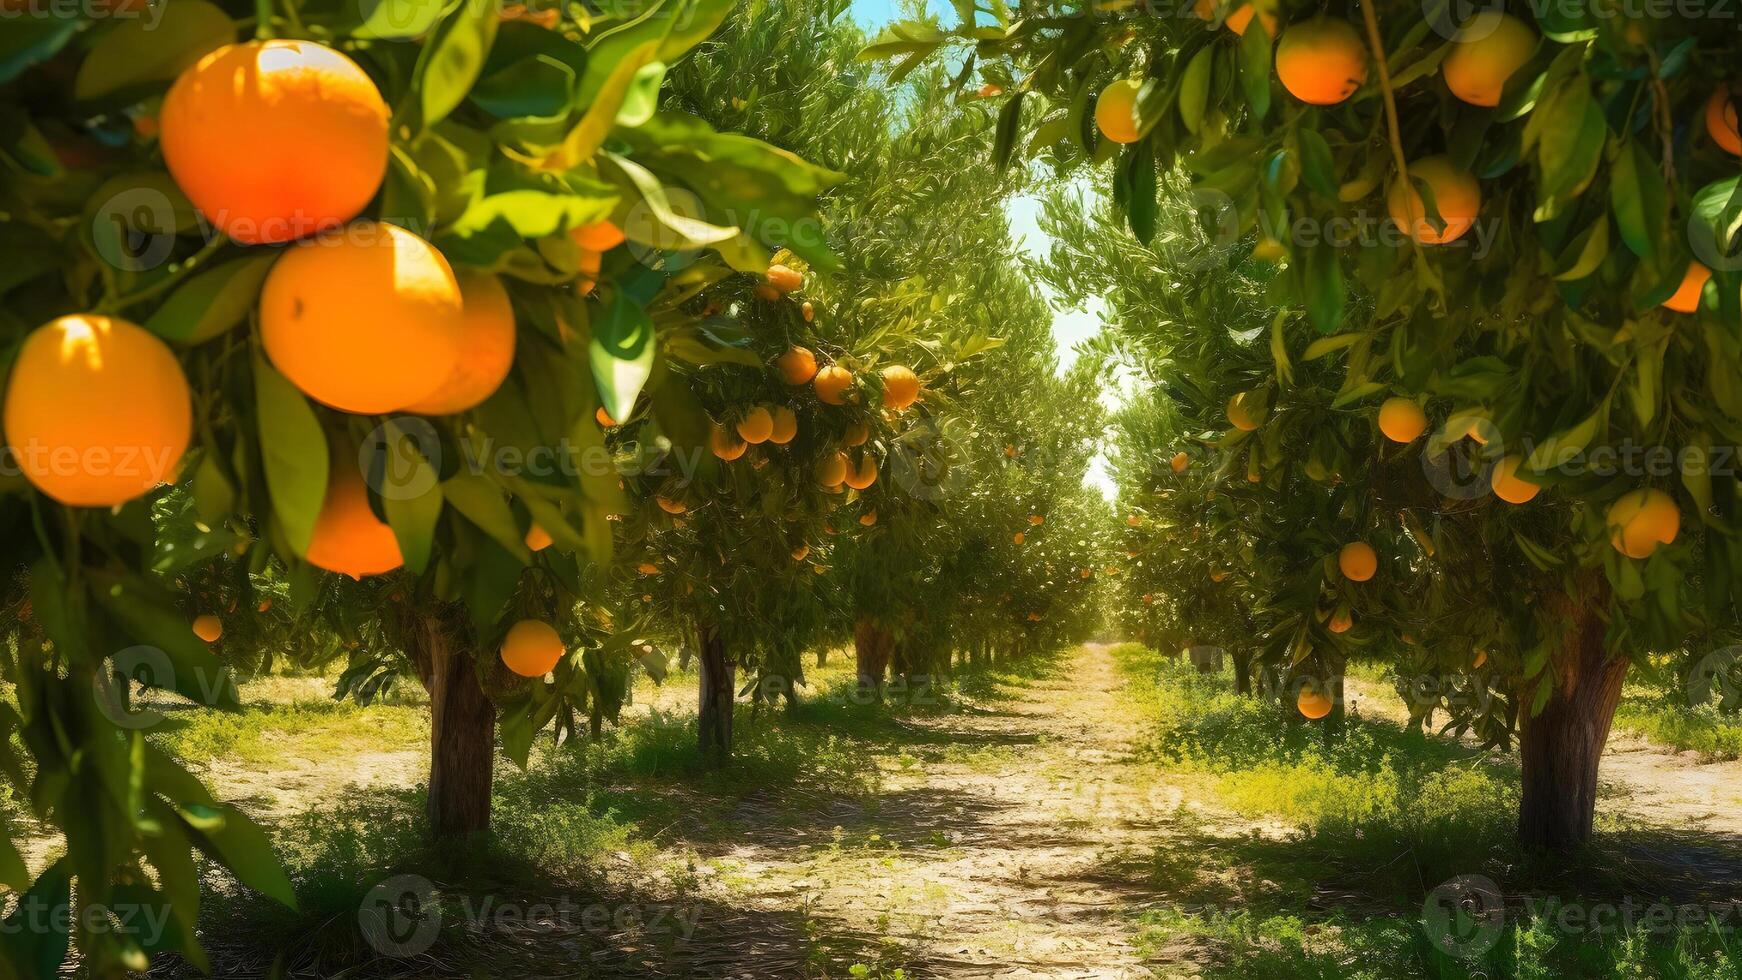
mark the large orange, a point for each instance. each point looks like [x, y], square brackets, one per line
[756, 425]
[725, 443]
[797, 366]
[532, 648]
[900, 387]
[1457, 198]
[208, 627]
[1246, 411]
[1180, 462]
[832, 469]
[863, 475]
[1358, 561]
[275, 140]
[785, 425]
[349, 538]
[1641, 520]
[1116, 111]
[598, 237]
[1321, 61]
[1488, 50]
[1721, 121]
[1507, 485]
[368, 322]
[784, 279]
[486, 347]
[1401, 420]
[97, 411]
[1313, 703]
[1687, 295]
[831, 384]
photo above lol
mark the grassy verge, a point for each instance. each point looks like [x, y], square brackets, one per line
[1384, 822]
[1703, 730]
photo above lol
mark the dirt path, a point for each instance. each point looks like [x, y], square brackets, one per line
[998, 860]
[1641, 780]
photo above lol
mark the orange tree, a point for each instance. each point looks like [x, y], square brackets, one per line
[1517, 219]
[361, 310]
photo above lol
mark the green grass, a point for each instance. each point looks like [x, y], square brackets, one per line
[1703, 730]
[1381, 817]
[262, 734]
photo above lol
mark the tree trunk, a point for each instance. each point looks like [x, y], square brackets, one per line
[717, 682]
[1559, 748]
[871, 645]
[1243, 673]
[462, 734]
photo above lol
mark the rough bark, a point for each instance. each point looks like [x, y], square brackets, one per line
[1243, 673]
[717, 679]
[872, 645]
[1559, 748]
[462, 732]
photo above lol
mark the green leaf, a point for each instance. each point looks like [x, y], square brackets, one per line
[242, 846]
[1639, 198]
[902, 39]
[1563, 446]
[671, 230]
[1004, 139]
[673, 33]
[27, 42]
[1194, 89]
[1586, 252]
[1317, 167]
[621, 354]
[146, 614]
[392, 19]
[411, 496]
[214, 494]
[145, 50]
[212, 301]
[1322, 285]
[293, 450]
[641, 99]
[1255, 70]
[450, 63]
[483, 503]
[1569, 145]
[35, 942]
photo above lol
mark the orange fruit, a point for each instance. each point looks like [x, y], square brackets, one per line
[370, 322]
[857, 434]
[1358, 561]
[208, 627]
[1034, 617]
[725, 443]
[1133, 520]
[349, 538]
[756, 425]
[1217, 575]
[831, 384]
[265, 604]
[783, 279]
[1245, 411]
[1641, 520]
[486, 347]
[785, 425]
[532, 648]
[832, 469]
[900, 387]
[1241, 17]
[597, 238]
[1721, 121]
[1489, 49]
[537, 538]
[1340, 622]
[275, 140]
[1481, 658]
[1507, 486]
[1019, 537]
[868, 518]
[1313, 704]
[864, 474]
[808, 311]
[647, 568]
[799, 553]
[1321, 61]
[1687, 295]
[1180, 462]
[671, 506]
[1036, 520]
[97, 411]
[1009, 451]
[1116, 111]
[990, 91]
[797, 366]
[1401, 420]
[604, 418]
[1457, 197]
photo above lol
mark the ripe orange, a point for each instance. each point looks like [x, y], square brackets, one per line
[1488, 50]
[1245, 411]
[275, 140]
[1009, 451]
[797, 366]
[370, 322]
[1340, 621]
[785, 425]
[647, 568]
[598, 237]
[799, 553]
[784, 279]
[756, 425]
[1641, 520]
[1507, 486]
[857, 434]
[349, 538]
[1481, 658]
[864, 474]
[1241, 17]
[486, 347]
[1358, 561]
[1321, 61]
[1721, 121]
[1180, 462]
[671, 506]
[1312, 703]
[97, 411]
[1401, 419]
[868, 518]
[808, 311]
[1457, 197]
[1687, 296]
[265, 604]
[726, 444]
[900, 387]
[1133, 520]
[208, 627]
[1116, 111]
[832, 469]
[831, 384]
[604, 418]
[1034, 617]
[1217, 575]
[532, 648]
[1019, 537]
[537, 538]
